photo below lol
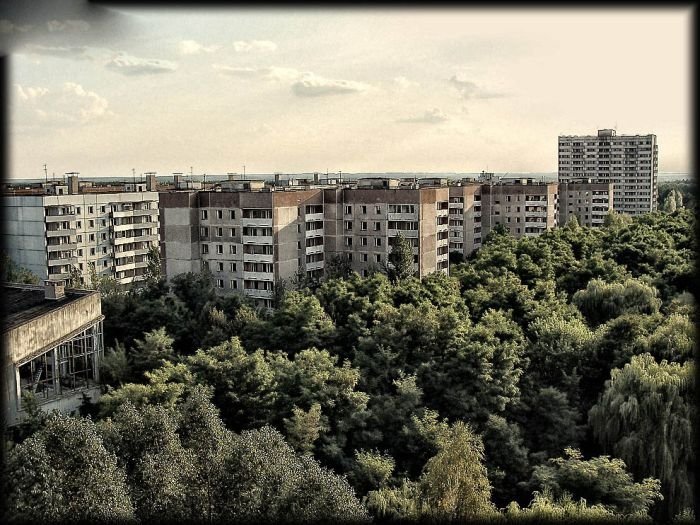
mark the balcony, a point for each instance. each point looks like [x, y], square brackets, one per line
[314, 216]
[59, 276]
[532, 224]
[314, 249]
[264, 294]
[314, 233]
[257, 239]
[136, 238]
[132, 252]
[258, 276]
[61, 261]
[60, 218]
[532, 202]
[456, 205]
[412, 234]
[258, 257]
[63, 247]
[256, 222]
[318, 265]
[536, 214]
[67, 232]
[403, 216]
[133, 265]
[134, 213]
[134, 226]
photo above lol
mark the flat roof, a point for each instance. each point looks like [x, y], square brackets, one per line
[24, 302]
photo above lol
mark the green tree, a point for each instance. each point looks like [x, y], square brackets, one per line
[572, 223]
[115, 368]
[454, 484]
[154, 268]
[646, 418]
[150, 352]
[372, 470]
[63, 472]
[337, 266]
[601, 301]
[304, 428]
[400, 265]
[599, 480]
[670, 202]
[545, 508]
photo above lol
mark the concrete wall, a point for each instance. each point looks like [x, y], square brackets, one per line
[31, 338]
[23, 233]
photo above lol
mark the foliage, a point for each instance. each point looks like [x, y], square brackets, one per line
[10, 272]
[400, 265]
[64, 472]
[601, 301]
[645, 417]
[599, 480]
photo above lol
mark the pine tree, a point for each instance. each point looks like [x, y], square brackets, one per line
[400, 259]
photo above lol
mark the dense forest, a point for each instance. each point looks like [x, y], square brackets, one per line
[547, 377]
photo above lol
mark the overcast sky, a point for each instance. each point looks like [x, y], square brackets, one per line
[102, 91]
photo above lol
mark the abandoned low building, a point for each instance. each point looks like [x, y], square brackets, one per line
[53, 345]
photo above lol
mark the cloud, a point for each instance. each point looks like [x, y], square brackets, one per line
[237, 71]
[72, 104]
[246, 46]
[469, 89]
[402, 83]
[8, 27]
[191, 47]
[432, 116]
[71, 52]
[73, 26]
[310, 85]
[266, 73]
[130, 65]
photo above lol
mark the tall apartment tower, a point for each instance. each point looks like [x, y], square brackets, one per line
[628, 162]
[66, 229]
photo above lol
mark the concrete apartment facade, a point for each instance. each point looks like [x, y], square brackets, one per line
[526, 208]
[53, 347]
[70, 228]
[628, 162]
[250, 236]
[589, 202]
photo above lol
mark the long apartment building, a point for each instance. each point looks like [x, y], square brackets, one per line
[524, 207]
[60, 231]
[251, 236]
[628, 162]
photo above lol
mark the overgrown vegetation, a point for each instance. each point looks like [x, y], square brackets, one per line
[545, 378]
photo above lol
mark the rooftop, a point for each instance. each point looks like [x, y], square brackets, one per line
[24, 302]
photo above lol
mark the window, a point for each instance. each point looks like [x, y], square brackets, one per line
[231, 214]
[378, 258]
[92, 237]
[220, 249]
[233, 284]
[80, 238]
[91, 223]
[364, 210]
[348, 241]
[80, 224]
[232, 249]
[219, 214]
[205, 215]
[91, 209]
[78, 210]
[377, 226]
[363, 226]
[80, 253]
[219, 283]
[348, 210]
[205, 249]
[104, 250]
[348, 225]
[220, 266]
[298, 228]
[298, 245]
[104, 222]
[349, 257]
[364, 257]
[204, 231]
[219, 232]
[232, 267]
[80, 266]
[102, 209]
[233, 232]
[378, 210]
[363, 241]
[92, 251]
[104, 236]
[377, 241]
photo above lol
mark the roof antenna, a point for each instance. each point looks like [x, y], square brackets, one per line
[46, 174]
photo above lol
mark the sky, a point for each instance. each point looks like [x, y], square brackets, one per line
[104, 91]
